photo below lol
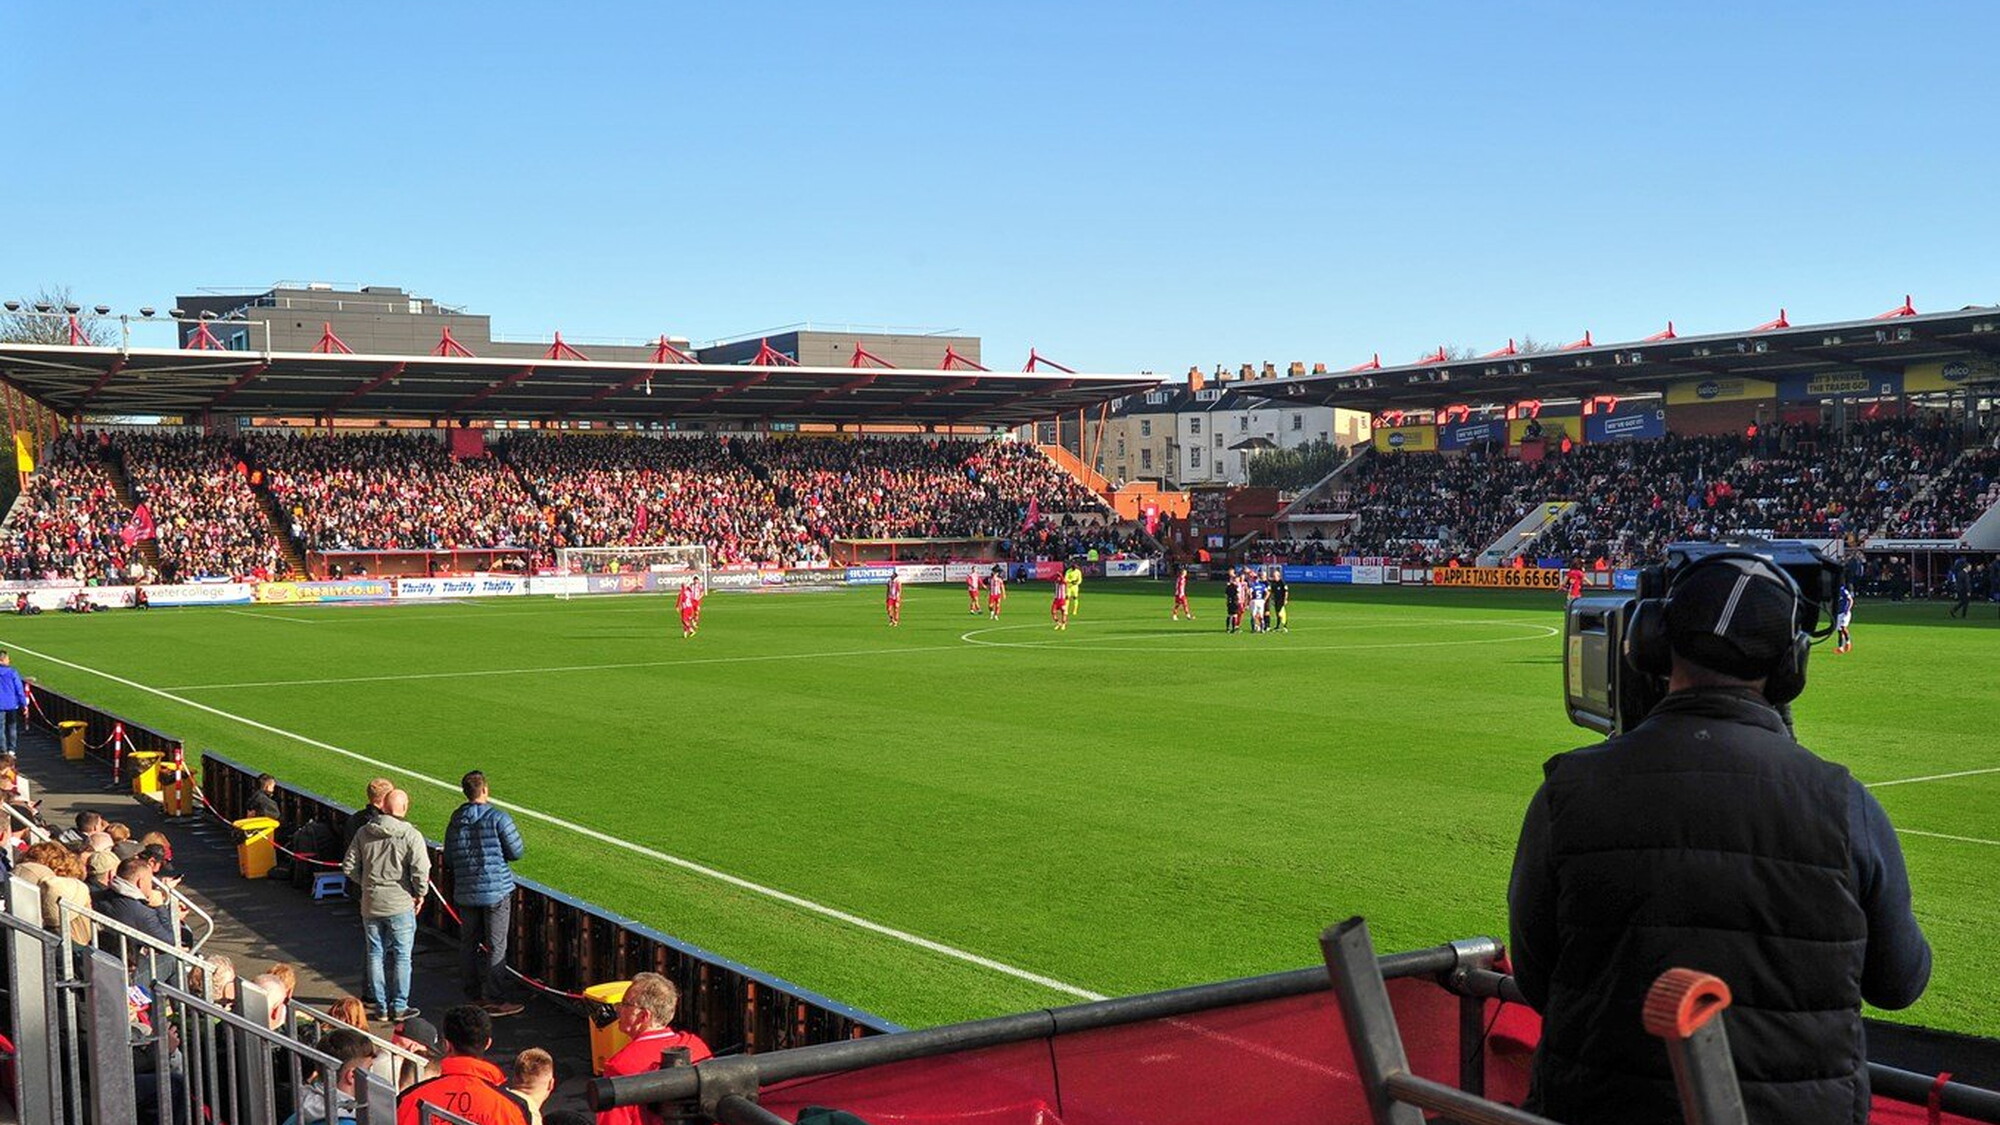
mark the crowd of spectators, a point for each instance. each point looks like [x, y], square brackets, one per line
[67, 522]
[395, 492]
[207, 521]
[607, 491]
[1886, 477]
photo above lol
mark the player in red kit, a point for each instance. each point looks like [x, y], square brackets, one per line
[1180, 594]
[996, 592]
[1573, 581]
[972, 590]
[1059, 607]
[894, 600]
[689, 603]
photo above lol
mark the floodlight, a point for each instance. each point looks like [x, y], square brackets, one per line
[208, 314]
[101, 310]
[72, 308]
[177, 314]
[145, 311]
[13, 306]
[44, 306]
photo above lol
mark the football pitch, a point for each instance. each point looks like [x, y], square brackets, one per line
[963, 817]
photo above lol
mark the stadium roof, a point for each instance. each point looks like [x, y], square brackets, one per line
[1778, 350]
[189, 382]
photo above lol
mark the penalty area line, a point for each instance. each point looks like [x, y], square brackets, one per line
[1947, 836]
[689, 865]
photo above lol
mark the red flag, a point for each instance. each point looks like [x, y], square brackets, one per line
[1034, 512]
[140, 526]
[1152, 512]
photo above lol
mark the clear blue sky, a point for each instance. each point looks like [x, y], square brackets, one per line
[1124, 187]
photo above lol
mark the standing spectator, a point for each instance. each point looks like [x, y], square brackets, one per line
[479, 843]
[646, 1015]
[390, 864]
[378, 792]
[13, 704]
[467, 1084]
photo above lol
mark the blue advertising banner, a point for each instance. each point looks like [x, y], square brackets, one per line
[1840, 384]
[1461, 435]
[1637, 425]
[870, 575]
[1624, 579]
[1340, 575]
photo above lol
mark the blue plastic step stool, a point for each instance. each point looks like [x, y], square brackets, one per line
[329, 884]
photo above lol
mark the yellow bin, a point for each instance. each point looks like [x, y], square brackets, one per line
[257, 853]
[145, 771]
[72, 738]
[606, 1041]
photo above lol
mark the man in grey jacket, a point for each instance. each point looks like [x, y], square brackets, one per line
[392, 868]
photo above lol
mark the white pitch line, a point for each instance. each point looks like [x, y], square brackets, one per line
[1947, 836]
[477, 673]
[272, 617]
[1933, 777]
[704, 870]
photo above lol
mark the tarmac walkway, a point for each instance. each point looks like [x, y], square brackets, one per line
[262, 921]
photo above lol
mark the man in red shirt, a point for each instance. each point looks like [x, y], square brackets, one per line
[1059, 608]
[646, 1014]
[1180, 594]
[894, 600]
[996, 592]
[1573, 580]
[972, 589]
[467, 1084]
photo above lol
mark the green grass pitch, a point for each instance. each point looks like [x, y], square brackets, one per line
[1131, 805]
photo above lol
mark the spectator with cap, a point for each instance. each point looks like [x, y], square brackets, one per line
[13, 704]
[479, 843]
[646, 1016]
[419, 1037]
[390, 864]
[1705, 837]
[467, 1084]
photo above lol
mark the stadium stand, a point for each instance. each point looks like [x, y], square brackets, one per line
[208, 523]
[67, 520]
[395, 492]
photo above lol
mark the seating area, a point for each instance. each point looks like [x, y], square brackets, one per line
[67, 522]
[395, 492]
[208, 523]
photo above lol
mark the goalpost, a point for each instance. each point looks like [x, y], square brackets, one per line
[673, 565]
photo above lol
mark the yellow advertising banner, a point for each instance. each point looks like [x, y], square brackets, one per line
[1553, 430]
[1406, 439]
[1722, 388]
[24, 451]
[1498, 577]
[1950, 375]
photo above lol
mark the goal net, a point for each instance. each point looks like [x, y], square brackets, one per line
[672, 566]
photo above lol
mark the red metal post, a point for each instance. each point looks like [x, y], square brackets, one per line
[330, 343]
[448, 346]
[560, 350]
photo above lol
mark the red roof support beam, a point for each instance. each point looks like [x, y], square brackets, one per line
[1667, 334]
[560, 350]
[238, 385]
[864, 356]
[330, 343]
[365, 389]
[479, 396]
[768, 356]
[1905, 309]
[1374, 364]
[117, 365]
[738, 387]
[663, 352]
[953, 361]
[1771, 325]
[1037, 360]
[448, 346]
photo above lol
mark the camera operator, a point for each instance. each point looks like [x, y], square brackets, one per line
[1705, 837]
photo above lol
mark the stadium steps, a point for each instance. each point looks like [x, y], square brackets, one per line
[1323, 483]
[1069, 463]
[274, 515]
[1544, 516]
[121, 487]
[504, 454]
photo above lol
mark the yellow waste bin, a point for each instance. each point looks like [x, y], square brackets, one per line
[606, 1040]
[256, 851]
[145, 771]
[72, 738]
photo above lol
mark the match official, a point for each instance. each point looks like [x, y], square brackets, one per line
[1706, 838]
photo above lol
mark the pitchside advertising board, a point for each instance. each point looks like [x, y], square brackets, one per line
[1344, 574]
[1498, 577]
[354, 590]
[475, 586]
[1636, 425]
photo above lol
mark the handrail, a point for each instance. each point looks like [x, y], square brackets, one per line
[66, 913]
[382, 1046]
[39, 835]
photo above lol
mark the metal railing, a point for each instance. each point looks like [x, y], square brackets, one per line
[390, 1060]
[214, 1064]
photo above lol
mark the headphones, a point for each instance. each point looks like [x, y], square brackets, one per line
[1648, 649]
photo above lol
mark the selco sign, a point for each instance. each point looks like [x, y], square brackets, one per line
[1498, 577]
[1692, 391]
[1949, 374]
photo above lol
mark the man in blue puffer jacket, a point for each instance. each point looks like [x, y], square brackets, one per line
[479, 843]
